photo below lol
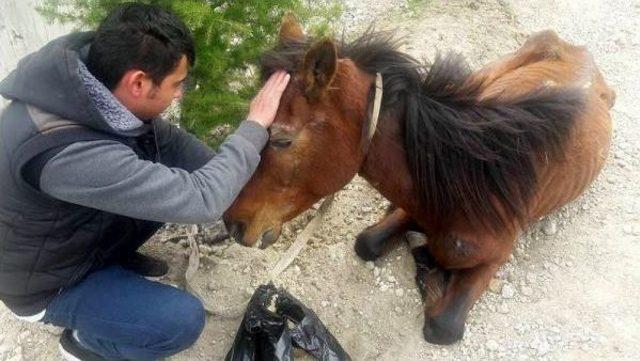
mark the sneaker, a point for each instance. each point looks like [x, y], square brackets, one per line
[72, 350]
[146, 266]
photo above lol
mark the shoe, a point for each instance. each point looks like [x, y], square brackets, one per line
[146, 266]
[72, 350]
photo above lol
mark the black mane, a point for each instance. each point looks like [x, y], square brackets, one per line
[464, 154]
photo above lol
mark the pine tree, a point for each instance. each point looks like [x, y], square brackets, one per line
[229, 37]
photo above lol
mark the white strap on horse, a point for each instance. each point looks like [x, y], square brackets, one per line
[377, 104]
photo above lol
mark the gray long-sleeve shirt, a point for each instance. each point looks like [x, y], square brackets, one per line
[109, 176]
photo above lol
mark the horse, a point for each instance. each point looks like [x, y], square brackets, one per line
[468, 158]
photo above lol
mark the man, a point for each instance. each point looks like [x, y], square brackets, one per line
[88, 173]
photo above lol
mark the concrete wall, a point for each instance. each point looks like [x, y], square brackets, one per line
[22, 31]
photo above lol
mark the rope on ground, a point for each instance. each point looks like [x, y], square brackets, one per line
[192, 267]
[284, 262]
[302, 239]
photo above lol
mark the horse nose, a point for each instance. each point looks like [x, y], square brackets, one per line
[268, 238]
[236, 230]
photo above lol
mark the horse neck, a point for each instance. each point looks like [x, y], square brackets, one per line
[385, 166]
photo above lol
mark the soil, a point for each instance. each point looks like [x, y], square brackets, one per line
[569, 292]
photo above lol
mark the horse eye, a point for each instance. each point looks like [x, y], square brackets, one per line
[280, 143]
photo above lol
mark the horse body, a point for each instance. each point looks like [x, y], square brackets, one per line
[471, 254]
[468, 159]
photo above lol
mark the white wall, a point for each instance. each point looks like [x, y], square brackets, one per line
[22, 31]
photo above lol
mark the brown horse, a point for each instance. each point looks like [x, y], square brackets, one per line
[468, 158]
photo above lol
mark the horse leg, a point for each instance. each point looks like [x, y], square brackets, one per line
[451, 280]
[445, 318]
[382, 236]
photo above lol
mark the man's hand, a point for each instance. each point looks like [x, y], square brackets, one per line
[264, 106]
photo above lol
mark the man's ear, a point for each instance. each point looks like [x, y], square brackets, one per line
[319, 67]
[134, 82]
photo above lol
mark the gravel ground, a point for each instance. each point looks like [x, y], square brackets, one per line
[568, 293]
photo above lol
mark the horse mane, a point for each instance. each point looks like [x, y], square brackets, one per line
[464, 154]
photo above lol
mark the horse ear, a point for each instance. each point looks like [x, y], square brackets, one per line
[319, 67]
[290, 29]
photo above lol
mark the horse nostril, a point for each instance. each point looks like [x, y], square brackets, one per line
[236, 230]
[268, 238]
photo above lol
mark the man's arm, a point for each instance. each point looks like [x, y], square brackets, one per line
[108, 175]
[179, 148]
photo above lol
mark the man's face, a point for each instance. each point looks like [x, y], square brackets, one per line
[157, 98]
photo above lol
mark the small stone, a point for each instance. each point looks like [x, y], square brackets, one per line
[495, 285]
[212, 286]
[17, 354]
[398, 310]
[384, 287]
[550, 227]
[376, 272]
[503, 309]
[325, 303]
[526, 290]
[543, 348]
[508, 291]
[631, 230]
[370, 265]
[391, 279]
[492, 345]
[399, 292]
[531, 278]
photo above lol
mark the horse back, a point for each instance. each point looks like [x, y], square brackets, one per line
[546, 61]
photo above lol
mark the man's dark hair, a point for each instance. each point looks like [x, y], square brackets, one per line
[139, 36]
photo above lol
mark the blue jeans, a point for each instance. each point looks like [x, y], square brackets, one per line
[120, 315]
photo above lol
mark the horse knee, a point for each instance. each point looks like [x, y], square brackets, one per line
[379, 238]
[369, 245]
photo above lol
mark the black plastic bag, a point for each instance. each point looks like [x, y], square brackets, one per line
[274, 323]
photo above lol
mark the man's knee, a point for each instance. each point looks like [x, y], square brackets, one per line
[183, 324]
[192, 321]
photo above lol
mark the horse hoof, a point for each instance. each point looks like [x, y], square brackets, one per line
[364, 248]
[439, 332]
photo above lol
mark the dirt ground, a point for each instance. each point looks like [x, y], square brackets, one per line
[570, 292]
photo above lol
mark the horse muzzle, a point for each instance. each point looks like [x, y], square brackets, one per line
[238, 231]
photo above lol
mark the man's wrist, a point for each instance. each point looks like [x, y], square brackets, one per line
[253, 119]
[254, 132]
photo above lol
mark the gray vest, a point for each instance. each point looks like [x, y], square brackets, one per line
[46, 244]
